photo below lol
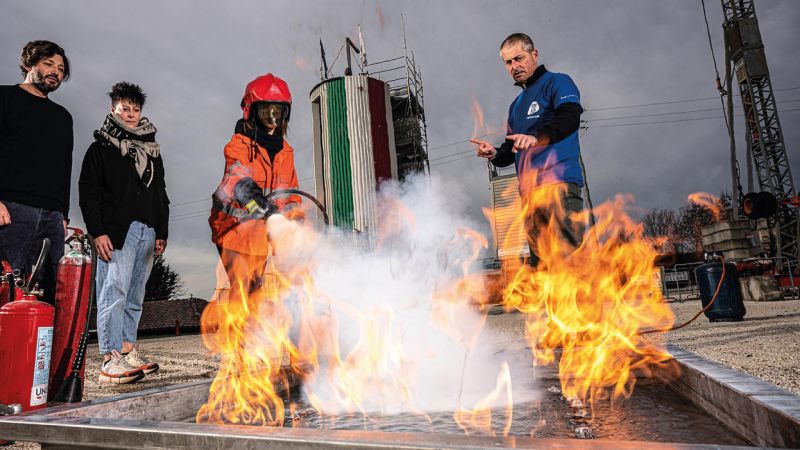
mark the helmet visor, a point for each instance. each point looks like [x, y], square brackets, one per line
[271, 114]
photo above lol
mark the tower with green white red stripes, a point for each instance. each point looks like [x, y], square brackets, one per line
[354, 148]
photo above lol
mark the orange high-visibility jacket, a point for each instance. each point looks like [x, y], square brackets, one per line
[242, 155]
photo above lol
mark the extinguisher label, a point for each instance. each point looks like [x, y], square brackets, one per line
[41, 371]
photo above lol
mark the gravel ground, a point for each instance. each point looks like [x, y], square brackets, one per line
[182, 359]
[766, 344]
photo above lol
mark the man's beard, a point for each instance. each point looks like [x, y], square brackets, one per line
[41, 83]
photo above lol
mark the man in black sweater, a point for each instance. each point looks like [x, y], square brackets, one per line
[36, 155]
[124, 203]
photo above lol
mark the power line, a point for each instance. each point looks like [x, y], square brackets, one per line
[653, 115]
[676, 121]
[672, 102]
[203, 214]
[465, 140]
[673, 113]
[190, 202]
[469, 153]
[334, 60]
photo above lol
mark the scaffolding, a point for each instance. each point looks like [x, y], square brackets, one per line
[408, 110]
[406, 95]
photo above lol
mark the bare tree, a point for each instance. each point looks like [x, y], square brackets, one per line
[660, 228]
[693, 217]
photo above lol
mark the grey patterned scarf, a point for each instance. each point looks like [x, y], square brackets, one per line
[137, 143]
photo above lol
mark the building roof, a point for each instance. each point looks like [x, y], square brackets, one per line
[166, 314]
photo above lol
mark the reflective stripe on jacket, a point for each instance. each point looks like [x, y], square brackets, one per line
[245, 158]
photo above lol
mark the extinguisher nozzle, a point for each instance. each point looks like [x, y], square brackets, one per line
[72, 389]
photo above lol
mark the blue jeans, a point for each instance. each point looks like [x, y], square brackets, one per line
[120, 288]
[21, 240]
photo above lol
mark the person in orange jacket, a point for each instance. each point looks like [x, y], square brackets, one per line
[258, 161]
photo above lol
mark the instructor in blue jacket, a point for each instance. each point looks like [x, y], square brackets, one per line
[542, 140]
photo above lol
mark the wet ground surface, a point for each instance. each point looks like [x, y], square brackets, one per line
[653, 414]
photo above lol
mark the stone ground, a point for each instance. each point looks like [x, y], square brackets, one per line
[766, 344]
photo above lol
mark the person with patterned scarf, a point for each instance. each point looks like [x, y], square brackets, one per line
[123, 198]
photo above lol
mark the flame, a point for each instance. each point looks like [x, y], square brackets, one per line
[289, 316]
[710, 201]
[589, 303]
[478, 127]
[300, 62]
[480, 417]
[280, 324]
[379, 15]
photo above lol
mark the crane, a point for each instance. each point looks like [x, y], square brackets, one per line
[745, 51]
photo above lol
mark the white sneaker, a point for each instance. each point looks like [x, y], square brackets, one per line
[139, 361]
[117, 371]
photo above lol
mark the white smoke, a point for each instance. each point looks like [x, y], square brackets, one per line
[384, 287]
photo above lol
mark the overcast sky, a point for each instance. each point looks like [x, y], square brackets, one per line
[194, 59]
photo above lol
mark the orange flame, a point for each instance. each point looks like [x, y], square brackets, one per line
[589, 303]
[300, 63]
[291, 316]
[379, 15]
[478, 127]
[480, 417]
[710, 201]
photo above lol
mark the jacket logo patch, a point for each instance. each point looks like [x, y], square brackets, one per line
[533, 108]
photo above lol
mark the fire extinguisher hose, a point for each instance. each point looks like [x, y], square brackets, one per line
[72, 389]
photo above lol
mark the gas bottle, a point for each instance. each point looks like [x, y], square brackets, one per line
[73, 283]
[26, 338]
[728, 306]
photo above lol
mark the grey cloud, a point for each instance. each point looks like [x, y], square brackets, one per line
[194, 59]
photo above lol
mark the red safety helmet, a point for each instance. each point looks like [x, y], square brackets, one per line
[266, 88]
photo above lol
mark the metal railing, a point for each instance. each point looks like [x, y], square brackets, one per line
[683, 289]
[675, 286]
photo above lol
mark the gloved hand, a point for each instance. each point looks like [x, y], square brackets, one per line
[249, 195]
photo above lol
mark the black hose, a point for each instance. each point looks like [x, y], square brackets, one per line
[304, 194]
[37, 268]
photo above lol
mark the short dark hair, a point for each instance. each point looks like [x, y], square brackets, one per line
[519, 38]
[127, 91]
[35, 51]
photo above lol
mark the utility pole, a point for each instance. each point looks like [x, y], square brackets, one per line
[745, 50]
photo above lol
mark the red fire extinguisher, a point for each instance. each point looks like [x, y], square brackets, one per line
[26, 338]
[74, 281]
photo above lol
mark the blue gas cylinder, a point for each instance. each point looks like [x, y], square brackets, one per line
[728, 307]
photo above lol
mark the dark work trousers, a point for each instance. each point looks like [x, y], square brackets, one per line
[571, 202]
[21, 242]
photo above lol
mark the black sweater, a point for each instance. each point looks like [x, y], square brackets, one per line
[35, 150]
[112, 195]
